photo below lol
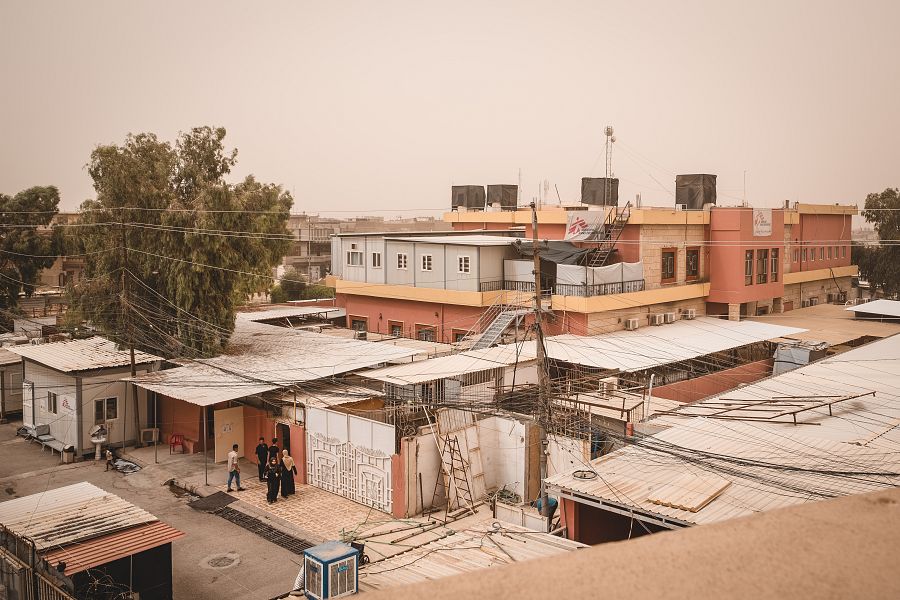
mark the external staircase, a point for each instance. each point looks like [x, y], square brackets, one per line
[607, 235]
[492, 334]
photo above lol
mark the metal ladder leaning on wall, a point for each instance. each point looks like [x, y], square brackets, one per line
[455, 475]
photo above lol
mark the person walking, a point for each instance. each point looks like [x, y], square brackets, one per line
[273, 480]
[109, 460]
[274, 451]
[262, 457]
[288, 470]
[234, 470]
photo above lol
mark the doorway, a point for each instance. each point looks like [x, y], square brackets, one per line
[283, 433]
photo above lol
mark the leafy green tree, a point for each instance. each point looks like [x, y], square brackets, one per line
[172, 248]
[292, 284]
[881, 264]
[277, 295]
[27, 243]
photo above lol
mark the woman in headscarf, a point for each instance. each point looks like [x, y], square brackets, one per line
[288, 470]
[273, 479]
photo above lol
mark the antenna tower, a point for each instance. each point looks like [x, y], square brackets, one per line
[607, 187]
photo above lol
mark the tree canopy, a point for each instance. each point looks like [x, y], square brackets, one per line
[27, 243]
[881, 264]
[191, 246]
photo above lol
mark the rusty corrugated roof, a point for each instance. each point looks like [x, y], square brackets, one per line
[81, 355]
[99, 551]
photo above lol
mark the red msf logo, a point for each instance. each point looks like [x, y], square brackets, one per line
[577, 226]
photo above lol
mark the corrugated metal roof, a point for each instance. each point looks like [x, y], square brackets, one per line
[9, 358]
[766, 470]
[650, 346]
[99, 551]
[890, 308]
[200, 384]
[81, 355]
[463, 552]
[329, 395]
[282, 312]
[873, 421]
[453, 365]
[459, 240]
[70, 514]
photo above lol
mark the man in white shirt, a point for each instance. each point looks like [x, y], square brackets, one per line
[234, 470]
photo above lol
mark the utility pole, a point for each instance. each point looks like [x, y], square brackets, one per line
[129, 335]
[543, 375]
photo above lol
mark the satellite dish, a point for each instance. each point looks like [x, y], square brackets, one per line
[612, 139]
[608, 130]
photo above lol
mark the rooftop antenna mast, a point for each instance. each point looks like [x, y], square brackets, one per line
[607, 186]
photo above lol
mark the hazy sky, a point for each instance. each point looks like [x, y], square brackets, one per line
[357, 106]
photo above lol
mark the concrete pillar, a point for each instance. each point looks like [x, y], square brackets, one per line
[734, 312]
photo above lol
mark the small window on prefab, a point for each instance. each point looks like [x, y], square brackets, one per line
[376, 260]
[463, 264]
[106, 409]
[402, 261]
[427, 262]
[692, 263]
[354, 256]
[52, 405]
[668, 265]
[748, 267]
[762, 266]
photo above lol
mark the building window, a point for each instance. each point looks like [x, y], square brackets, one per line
[402, 261]
[692, 263]
[358, 323]
[796, 255]
[464, 264]
[762, 266]
[106, 409]
[52, 406]
[805, 255]
[774, 264]
[836, 252]
[425, 333]
[829, 252]
[843, 251]
[748, 267]
[354, 256]
[668, 265]
[426, 262]
[396, 328]
[459, 335]
[822, 253]
[376, 260]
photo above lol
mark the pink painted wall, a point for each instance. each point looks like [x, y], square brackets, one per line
[256, 424]
[298, 451]
[178, 416]
[398, 486]
[817, 231]
[380, 311]
[715, 383]
[731, 234]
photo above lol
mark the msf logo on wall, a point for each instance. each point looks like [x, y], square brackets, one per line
[762, 222]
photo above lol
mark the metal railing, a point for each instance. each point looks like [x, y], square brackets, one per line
[599, 289]
[515, 286]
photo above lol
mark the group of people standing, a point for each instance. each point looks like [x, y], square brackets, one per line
[276, 468]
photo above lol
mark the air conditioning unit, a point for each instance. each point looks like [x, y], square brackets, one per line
[359, 335]
[804, 304]
[829, 298]
[689, 314]
[842, 297]
[813, 301]
[331, 570]
[681, 207]
[631, 324]
[670, 317]
[608, 384]
[657, 319]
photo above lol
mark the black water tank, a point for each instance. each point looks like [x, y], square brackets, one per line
[695, 190]
[594, 191]
[506, 195]
[470, 196]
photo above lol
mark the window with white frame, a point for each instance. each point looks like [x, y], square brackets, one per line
[402, 260]
[354, 256]
[106, 409]
[427, 262]
[464, 264]
[376, 260]
[52, 404]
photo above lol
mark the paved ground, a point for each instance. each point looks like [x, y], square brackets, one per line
[263, 571]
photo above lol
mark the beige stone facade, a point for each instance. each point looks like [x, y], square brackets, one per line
[655, 239]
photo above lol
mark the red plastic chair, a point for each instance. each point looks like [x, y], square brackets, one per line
[176, 439]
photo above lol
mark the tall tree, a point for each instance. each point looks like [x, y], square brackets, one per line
[27, 243]
[881, 264]
[172, 247]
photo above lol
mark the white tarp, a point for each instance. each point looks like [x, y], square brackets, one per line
[518, 270]
[617, 273]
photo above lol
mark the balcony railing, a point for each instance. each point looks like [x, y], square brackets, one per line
[599, 289]
[566, 289]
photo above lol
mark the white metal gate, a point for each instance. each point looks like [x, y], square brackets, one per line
[350, 456]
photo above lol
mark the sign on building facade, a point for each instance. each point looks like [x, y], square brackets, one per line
[762, 222]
